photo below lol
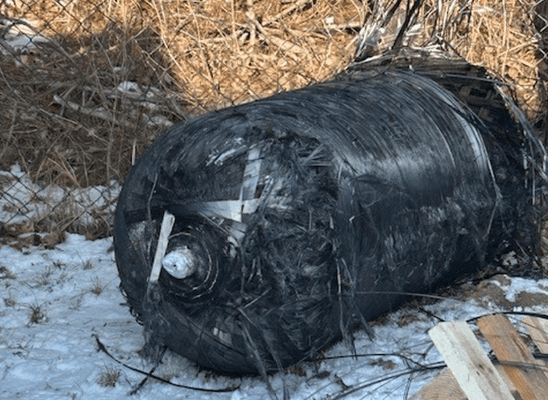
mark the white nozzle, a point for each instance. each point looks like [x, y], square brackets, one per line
[180, 263]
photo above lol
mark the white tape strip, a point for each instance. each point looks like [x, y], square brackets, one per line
[163, 239]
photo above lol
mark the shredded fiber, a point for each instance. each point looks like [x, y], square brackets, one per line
[300, 216]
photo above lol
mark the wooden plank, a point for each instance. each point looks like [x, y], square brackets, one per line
[443, 387]
[538, 329]
[474, 372]
[446, 387]
[516, 360]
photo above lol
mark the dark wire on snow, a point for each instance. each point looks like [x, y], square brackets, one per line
[101, 347]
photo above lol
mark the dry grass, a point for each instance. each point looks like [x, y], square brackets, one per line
[109, 377]
[67, 122]
[504, 40]
[69, 117]
[37, 315]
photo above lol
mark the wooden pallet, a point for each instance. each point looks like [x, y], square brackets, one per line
[471, 375]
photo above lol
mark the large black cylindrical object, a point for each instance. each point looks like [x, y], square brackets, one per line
[299, 216]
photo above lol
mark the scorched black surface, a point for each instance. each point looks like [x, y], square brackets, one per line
[300, 216]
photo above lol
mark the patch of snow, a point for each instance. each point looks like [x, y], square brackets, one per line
[520, 285]
[20, 35]
[21, 199]
[159, 120]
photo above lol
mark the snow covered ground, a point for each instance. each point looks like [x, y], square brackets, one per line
[62, 314]
[56, 304]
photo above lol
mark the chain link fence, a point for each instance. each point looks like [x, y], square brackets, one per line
[86, 85]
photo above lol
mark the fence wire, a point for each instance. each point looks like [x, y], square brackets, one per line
[86, 85]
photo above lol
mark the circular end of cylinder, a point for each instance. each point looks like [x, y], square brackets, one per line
[191, 266]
